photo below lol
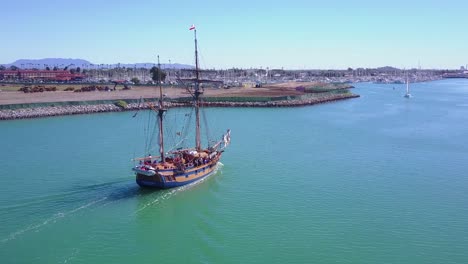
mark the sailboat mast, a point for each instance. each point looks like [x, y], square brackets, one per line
[161, 111]
[407, 84]
[197, 94]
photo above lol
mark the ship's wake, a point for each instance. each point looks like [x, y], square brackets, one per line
[105, 195]
[53, 219]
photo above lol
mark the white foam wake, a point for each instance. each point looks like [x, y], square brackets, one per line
[52, 219]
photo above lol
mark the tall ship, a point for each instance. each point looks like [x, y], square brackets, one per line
[180, 166]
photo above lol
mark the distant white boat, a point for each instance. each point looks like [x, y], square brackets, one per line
[407, 94]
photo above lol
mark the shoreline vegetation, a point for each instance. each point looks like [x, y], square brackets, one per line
[28, 105]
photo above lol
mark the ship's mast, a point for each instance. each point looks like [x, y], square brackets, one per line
[197, 94]
[161, 111]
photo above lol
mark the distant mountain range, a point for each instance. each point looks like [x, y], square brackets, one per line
[84, 64]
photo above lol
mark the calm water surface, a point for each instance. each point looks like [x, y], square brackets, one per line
[378, 179]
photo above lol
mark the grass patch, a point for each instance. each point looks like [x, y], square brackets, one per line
[122, 104]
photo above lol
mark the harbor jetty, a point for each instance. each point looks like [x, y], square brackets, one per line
[285, 95]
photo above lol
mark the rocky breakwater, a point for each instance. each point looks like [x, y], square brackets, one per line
[48, 111]
[283, 103]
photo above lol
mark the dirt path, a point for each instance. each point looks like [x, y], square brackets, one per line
[15, 97]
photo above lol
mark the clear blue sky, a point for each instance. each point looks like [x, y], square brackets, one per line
[290, 34]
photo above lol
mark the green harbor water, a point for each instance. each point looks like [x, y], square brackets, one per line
[377, 179]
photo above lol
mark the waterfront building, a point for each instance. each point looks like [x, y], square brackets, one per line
[59, 75]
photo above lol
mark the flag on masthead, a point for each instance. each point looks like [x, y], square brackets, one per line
[192, 27]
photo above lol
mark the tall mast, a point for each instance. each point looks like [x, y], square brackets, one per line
[197, 94]
[407, 84]
[161, 111]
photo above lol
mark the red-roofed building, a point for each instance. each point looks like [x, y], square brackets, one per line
[40, 75]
